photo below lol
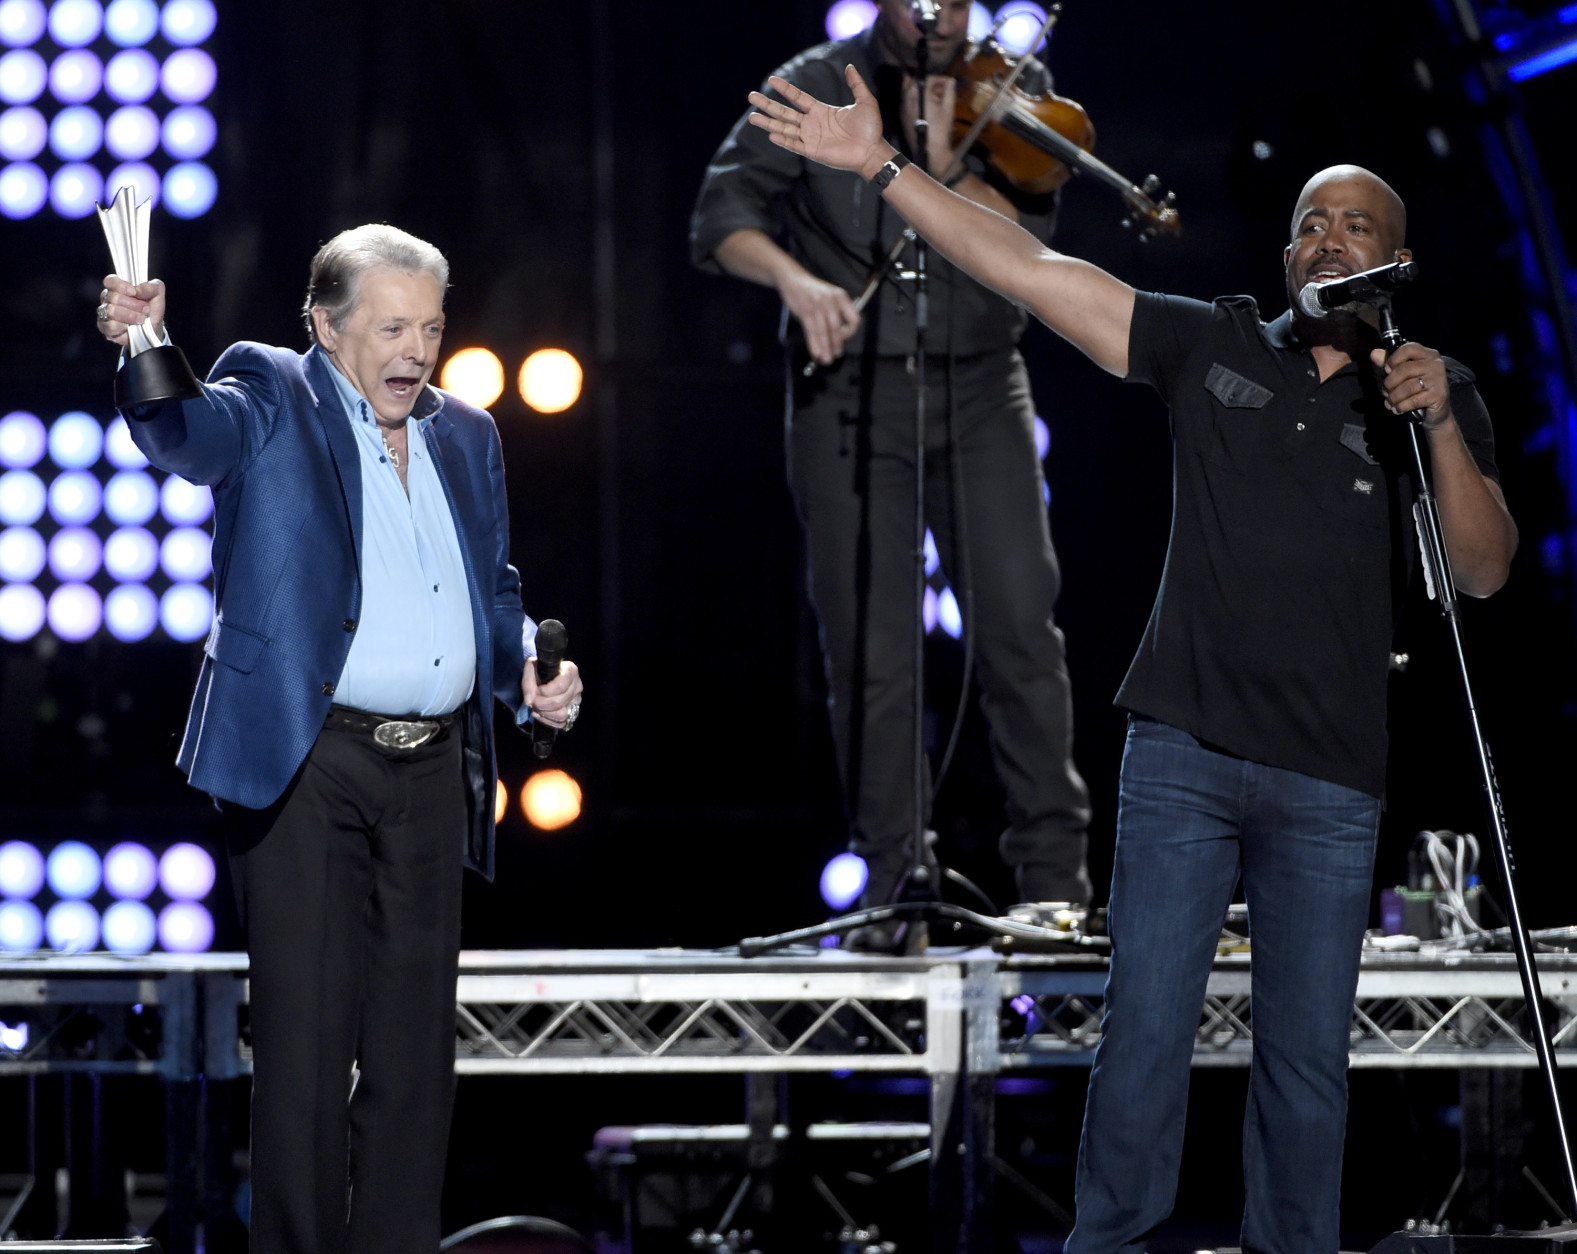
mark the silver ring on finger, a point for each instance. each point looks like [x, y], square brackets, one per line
[104, 314]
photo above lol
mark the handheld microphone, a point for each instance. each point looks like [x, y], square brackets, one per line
[926, 14]
[552, 640]
[1318, 299]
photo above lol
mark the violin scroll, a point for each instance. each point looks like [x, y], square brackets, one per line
[1149, 216]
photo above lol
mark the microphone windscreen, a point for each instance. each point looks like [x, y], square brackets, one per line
[1309, 301]
[552, 640]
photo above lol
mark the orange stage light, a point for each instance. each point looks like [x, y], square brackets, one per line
[500, 803]
[551, 800]
[474, 375]
[550, 380]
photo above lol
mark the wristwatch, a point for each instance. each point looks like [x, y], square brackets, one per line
[889, 171]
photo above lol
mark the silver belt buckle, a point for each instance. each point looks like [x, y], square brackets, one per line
[395, 735]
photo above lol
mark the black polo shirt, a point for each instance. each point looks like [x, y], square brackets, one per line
[1292, 540]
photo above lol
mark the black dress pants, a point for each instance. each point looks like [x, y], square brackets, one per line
[851, 467]
[350, 893]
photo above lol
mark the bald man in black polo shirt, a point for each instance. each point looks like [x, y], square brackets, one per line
[1257, 739]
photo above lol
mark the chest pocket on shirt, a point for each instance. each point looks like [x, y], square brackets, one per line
[1234, 391]
[1356, 488]
[1234, 421]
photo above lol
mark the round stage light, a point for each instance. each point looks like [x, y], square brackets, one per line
[75, 23]
[550, 380]
[947, 616]
[187, 22]
[76, 133]
[23, 133]
[550, 800]
[75, 612]
[122, 453]
[21, 927]
[22, 611]
[187, 554]
[181, 501]
[22, 557]
[21, 22]
[22, 498]
[130, 497]
[980, 21]
[74, 497]
[190, 189]
[75, 554]
[131, 612]
[22, 76]
[74, 870]
[933, 560]
[75, 440]
[928, 611]
[72, 927]
[131, 22]
[500, 802]
[1042, 438]
[186, 611]
[843, 879]
[131, 871]
[75, 77]
[475, 375]
[132, 132]
[129, 928]
[1019, 21]
[186, 872]
[75, 189]
[188, 76]
[21, 869]
[22, 440]
[185, 928]
[23, 190]
[189, 132]
[131, 554]
[848, 18]
[132, 76]
[141, 177]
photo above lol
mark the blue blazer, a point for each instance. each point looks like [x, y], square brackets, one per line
[270, 436]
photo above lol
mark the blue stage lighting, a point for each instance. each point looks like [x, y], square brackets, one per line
[131, 612]
[76, 133]
[132, 76]
[186, 611]
[187, 22]
[185, 928]
[22, 498]
[129, 928]
[131, 871]
[22, 440]
[130, 498]
[22, 611]
[933, 560]
[843, 880]
[189, 132]
[23, 190]
[22, 76]
[132, 132]
[947, 616]
[21, 22]
[188, 76]
[21, 927]
[72, 927]
[21, 869]
[183, 502]
[1554, 58]
[187, 554]
[74, 870]
[22, 556]
[928, 611]
[980, 21]
[131, 22]
[75, 189]
[75, 23]
[74, 497]
[1019, 22]
[186, 872]
[131, 554]
[190, 189]
[119, 449]
[847, 18]
[1042, 438]
[75, 440]
[75, 612]
[75, 554]
[141, 177]
[23, 133]
[76, 76]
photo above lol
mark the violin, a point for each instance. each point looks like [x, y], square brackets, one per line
[1036, 142]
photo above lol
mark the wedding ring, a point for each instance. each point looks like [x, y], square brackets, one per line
[1422, 386]
[104, 314]
[570, 715]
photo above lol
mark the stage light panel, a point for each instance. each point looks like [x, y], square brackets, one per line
[13, 1038]
[23, 190]
[181, 501]
[23, 133]
[75, 553]
[72, 927]
[933, 560]
[22, 498]
[119, 450]
[980, 21]
[185, 928]
[75, 440]
[947, 616]
[132, 132]
[132, 76]
[21, 22]
[500, 802]
[131, 612]
[75, 612]
[131, 554]
[21, 927]
[188, 76]
[186, 611]
[550, 800]
[73, 870]
[475, 375]
[22, 557]
[21, 869]
[190, 189]
[847, 18]
[1042, 438]
[22, 611]
[75, 189]
[843, 879]
[76, 133]
[76, 76]
[74, 497]
[550, 380]
[129, 928]
[1019, 21]
[187, 553]
[75, 23]
[928, 611]
[187, 22]
[186, 872]
[131, 871]
[23, 440]
[189, 132]
[130, 23]
[23, 75]
[131, 498]
[142, 178]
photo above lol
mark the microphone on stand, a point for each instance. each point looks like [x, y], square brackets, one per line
[926, 14]
[552, 640]
[1318, 299]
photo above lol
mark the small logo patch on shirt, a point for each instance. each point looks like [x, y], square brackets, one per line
[1363, 486]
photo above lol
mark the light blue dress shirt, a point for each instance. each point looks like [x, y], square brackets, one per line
[414, 651]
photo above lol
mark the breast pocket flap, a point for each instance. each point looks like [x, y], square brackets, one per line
[1234, 391]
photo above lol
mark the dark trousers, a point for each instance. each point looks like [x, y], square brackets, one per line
[851, 466]
[350, 892]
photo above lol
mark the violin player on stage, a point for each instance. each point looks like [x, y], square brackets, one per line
[1257, 738]
[769, 216]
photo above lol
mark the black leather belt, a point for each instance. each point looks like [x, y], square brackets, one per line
[389, 732]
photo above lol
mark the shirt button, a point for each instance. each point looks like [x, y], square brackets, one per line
[436, 660]
[1312, 401]
[328, 690]
[350, 624]
[1300, 426]
[1313, 374]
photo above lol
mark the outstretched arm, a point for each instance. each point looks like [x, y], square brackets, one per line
[1082, 303]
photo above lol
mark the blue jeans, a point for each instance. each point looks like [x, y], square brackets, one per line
[1190, 821]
